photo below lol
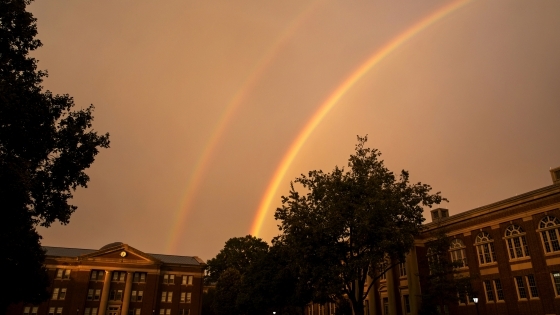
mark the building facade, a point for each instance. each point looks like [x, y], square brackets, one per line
[119, 280]
[510, 250]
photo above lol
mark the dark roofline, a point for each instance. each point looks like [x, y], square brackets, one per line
[505, 203]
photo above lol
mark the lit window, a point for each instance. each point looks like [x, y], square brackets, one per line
[97, 294]
[521, 292]
[94, 311]
[140, 296]
[122, 275]
[169, 279]
[118, 296]
[34, 310]
[62, 294]
[188, 297]
[188, 280]
[51, 310]
[168, 311]
[26, 310]
[87, 311]
[489, 291]
[161, 311]
[133, 296]
[97, 275]
[58, 310]
[55, 294]
[93, 277]
[549, 233]
[457, 251]
[163, 296]
[66, 274]
[169, 296]
[59, 273]
[137, 311]
[516, 242]
[485, 248]
[184, 311]
[532, 286]
[183, 297]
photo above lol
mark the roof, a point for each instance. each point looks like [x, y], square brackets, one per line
[77, 252]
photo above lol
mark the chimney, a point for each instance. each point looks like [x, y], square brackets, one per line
[555, 174]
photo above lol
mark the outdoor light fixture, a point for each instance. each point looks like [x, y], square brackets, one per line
[475, 300]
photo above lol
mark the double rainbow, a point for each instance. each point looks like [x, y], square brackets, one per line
[333, 99]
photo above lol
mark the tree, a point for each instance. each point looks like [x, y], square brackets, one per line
[238, 253]
[45, 146]
[227, 290]
[271, 284]
[348, 222]
[443, 286]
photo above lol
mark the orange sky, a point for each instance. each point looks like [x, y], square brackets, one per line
[203, 99]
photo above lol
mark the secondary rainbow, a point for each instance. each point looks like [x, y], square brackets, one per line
[225, 118]
[333, 99]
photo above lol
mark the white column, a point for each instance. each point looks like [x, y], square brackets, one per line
[105, 293]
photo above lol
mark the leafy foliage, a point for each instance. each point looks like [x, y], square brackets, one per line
[443, 285]
[45, 146]
[349, 221]
[238, 253]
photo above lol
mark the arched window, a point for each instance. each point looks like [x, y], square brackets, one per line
[457, 250]
[485, 248]
[516, 242]
[549, 231]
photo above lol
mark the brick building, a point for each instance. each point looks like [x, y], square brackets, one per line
[119, 280]
[510, 248]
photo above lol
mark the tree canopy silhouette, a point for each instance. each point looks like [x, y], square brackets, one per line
[45, 146]
[346, 223]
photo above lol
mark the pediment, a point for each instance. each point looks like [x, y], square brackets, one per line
[119, 252]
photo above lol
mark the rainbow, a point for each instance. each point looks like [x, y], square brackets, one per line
[333, 99]
[224, 120]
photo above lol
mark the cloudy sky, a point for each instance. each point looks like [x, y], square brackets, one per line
[215, 106]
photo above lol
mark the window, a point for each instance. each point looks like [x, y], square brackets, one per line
[189, 297]
[183, 297]
[58, 311]
[516, 242]
[164, 296]
[332, 308]
[87, 311]
[62, 294]
[139, 277]
[532, 286]
[63, 274]
[499, 291]
[188, 280]
[406, 301]
[549, 232]
[521, 292]
[169, 279]
[90, 294]
[136, 296]
[92, 311]
[26, 310]
[97, 275]
[55, 294]
[34, 310]
[402, 269]
[118, 276]
[51, 310]
[556, 281]
[184, 311]
[97, 294]
[115, 295]
[485, 248]
[457, 251]
[164, 311]
[489, 291]
[137, 311]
